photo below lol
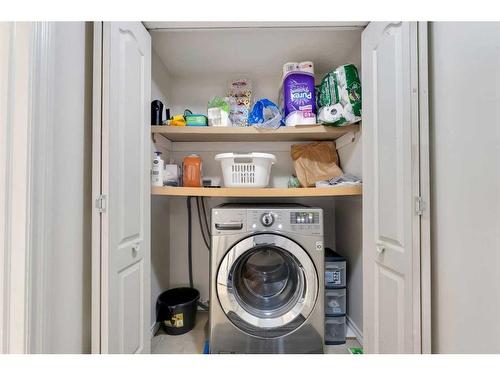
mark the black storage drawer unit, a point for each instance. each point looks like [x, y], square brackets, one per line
[335, 298]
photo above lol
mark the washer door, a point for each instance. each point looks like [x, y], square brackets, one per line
[267, 285]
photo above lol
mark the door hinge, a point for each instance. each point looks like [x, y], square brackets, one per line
[419, 206]
[100, 203]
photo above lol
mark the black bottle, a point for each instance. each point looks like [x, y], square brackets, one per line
[156, 112]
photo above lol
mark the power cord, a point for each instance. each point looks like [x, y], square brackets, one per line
[202, 305]
[206, 216]
[190, 245]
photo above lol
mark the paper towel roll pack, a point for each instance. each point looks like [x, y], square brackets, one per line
[339, 97]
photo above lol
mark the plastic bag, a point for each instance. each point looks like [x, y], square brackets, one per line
[339, 96]
[218, 112]
[218, 102]
[265, 114]
[314, 162]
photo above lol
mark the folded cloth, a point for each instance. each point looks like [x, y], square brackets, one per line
[343, 179]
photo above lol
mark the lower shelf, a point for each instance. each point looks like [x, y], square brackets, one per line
[256, 192]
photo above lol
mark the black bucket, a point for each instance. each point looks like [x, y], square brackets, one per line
[176, 310]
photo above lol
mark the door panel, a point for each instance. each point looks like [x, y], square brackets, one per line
[130, 96]
[131, 299]
[125, 254]
[387, 82]
[390, 318]
[391, 245]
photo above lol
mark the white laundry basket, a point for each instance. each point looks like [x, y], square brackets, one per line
[246, 170]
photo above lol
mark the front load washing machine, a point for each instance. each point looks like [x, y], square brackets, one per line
[266, 279]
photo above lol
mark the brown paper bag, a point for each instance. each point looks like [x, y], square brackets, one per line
[316, 161]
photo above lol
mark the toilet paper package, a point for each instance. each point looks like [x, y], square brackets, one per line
[299, 98]
[339, 96]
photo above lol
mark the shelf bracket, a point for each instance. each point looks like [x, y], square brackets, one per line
[345, 140]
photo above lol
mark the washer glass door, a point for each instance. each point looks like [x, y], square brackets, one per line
[267, 285]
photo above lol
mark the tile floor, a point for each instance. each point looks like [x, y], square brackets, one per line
[193, 342]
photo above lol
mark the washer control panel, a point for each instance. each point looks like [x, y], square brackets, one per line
[307, 221]
[298, 220]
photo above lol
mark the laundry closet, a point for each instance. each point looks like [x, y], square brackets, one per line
[140, 232]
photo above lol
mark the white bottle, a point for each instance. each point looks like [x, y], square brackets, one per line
[157, 171]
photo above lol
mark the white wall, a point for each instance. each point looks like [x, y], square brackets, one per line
[349, 230]
[465, 186]
[16, 60]
[5, 37]
[349, 243]
[68, 280]
[195, 92]
[160, 81]
[160, 218]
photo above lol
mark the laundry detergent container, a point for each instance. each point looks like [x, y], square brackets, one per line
[176, 310]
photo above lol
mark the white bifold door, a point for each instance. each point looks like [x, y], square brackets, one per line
[394, 174]
[121, 173]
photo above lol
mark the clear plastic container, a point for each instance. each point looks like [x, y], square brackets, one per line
[335, 274]
[335, 330]
[335, 302]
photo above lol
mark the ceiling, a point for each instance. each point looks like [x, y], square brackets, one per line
[195, 52]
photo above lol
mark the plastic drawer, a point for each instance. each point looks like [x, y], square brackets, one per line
[335, 330]
[335, 302]
[335, 274]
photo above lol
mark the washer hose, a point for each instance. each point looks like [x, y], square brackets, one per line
[202, 229]
[190, 245]
[190, 250]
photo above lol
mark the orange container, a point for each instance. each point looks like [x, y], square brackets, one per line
[191, 176]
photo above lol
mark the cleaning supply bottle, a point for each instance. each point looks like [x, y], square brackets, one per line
[157, 170]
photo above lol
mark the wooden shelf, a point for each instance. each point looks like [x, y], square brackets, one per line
[257, 192]
[251, 133]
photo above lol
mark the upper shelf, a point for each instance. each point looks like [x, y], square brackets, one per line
[252, 134]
